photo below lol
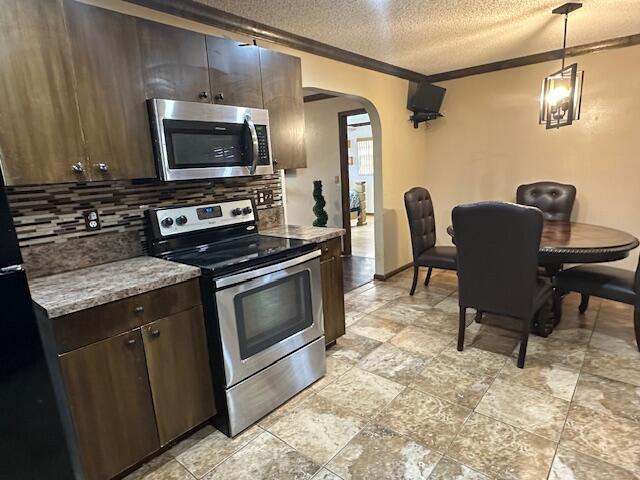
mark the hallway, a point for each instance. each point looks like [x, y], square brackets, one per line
[359, 268]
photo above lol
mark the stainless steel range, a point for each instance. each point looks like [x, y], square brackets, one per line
[263, 305]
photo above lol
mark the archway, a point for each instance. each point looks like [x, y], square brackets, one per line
[326, 143]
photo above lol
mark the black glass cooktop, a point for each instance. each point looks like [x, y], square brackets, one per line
[240, 253]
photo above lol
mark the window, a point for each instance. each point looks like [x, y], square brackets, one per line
[365, 156]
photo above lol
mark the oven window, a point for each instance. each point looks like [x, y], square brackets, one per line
[204, 144]
[273, 312]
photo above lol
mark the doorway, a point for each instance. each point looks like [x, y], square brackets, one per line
[357, 190]
[327, 149]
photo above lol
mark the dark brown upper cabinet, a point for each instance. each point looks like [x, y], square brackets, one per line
[282, 96]
[234, 73]
[174, 62]
[110, 92]
[40, 136]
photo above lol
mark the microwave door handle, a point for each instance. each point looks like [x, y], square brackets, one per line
[254, 141]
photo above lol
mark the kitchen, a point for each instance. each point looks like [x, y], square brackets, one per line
[169, 292]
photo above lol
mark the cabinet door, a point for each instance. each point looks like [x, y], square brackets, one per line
[332, 298]
[108, 390]
[110, 92]
[174, 62]
[282, 95]
[40, 137]
[234, 73]
[179, 373]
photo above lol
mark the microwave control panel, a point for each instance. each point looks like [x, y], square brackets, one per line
[263, 144]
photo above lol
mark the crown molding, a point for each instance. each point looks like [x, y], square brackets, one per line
[214, 17]
[618, 42]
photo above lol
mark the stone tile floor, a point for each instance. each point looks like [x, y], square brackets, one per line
[399, 402]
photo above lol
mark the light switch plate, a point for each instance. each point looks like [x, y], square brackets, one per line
[91, 220]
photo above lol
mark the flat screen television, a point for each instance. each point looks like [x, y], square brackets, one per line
[426, 98]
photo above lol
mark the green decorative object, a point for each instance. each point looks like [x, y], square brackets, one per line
[318, 208]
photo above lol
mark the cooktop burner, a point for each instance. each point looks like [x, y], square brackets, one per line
[239, 252]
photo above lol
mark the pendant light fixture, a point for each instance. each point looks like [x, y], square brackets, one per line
[561, 95]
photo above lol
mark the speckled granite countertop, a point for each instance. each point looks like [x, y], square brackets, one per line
[77, 290]
[312, 234]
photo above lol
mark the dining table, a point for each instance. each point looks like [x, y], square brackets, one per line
[565, 243]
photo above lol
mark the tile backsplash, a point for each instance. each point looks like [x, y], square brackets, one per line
[51, 229]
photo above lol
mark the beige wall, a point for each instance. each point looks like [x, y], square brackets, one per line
[323, 163]
[490, 142]
[401, 154]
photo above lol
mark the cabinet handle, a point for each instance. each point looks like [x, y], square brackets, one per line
[103, 167]
[219, 96]
[77, 167]
[203, 95]
[155, 333]
[326, 249]
[138, 309]
[131, 342]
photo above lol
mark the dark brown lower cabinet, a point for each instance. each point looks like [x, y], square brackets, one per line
[108, 390]
[332, 290]
[142, 387]
[179, 374]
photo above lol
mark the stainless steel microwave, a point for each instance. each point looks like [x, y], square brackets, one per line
[202, 140]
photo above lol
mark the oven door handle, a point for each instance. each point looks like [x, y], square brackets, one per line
[246, 276]
[254, 141]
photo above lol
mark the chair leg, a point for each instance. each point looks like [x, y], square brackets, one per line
[461, 326]
[426, 280]
[415, 280]
[636, 324]
[524, 339]
[584, 303]
[558, 296]
[479, 316]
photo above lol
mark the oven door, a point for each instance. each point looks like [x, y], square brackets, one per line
[196, 140]
[268, 313]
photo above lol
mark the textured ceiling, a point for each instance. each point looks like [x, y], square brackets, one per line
[432, 36]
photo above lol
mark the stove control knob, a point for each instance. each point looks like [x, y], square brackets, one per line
[236, 211]
[246, 210]
[166, 222]
[181, 220]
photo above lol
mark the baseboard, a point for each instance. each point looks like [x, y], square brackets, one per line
[387, 276]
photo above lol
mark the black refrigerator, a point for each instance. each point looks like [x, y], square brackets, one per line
[35, 436]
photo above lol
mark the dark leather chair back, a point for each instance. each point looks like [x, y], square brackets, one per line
[422, 223]
[498, 247]
[636, 283]
[554, 199]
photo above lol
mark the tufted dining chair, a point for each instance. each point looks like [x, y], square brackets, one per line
[495, 273]
[554, 199]
[422, 227]
[604, 282]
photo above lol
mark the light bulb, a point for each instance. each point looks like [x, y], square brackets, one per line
[557, 95]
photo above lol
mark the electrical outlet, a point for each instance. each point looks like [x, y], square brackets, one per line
[91, 220]
[265, 197]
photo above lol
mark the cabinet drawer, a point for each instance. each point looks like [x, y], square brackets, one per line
[331, 248]
[88, 326]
